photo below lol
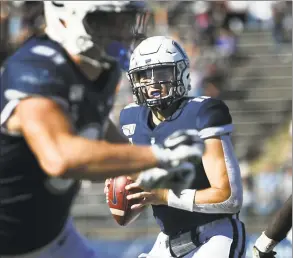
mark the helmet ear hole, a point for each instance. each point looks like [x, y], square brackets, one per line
[180, 90]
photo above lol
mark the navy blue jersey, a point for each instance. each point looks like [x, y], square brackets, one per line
[210, 117]
[33, 206]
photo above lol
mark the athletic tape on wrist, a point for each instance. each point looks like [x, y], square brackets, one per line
[265, 244]
[183, 201]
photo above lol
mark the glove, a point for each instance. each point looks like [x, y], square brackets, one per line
[258, 254]
[176, 178]
[183, 145]
[264, 246]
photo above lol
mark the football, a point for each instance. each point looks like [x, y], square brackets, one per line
[119, 206]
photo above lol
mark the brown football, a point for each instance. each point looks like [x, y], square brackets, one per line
[119, 206]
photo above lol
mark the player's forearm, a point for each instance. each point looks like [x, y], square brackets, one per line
[214, 200]
[211, 195]
[282, 222]
[99, 160]
[209, 200]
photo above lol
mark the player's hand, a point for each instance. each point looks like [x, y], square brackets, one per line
[106, 188]
[176, 178]
[107, 184]
[154, 197]
[183, 145]
[258, 254]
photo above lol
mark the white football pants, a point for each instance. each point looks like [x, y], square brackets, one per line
[224, 240]
[69, 244]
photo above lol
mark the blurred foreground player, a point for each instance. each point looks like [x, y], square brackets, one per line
[56, 93]
[275, 232]
[201, 220]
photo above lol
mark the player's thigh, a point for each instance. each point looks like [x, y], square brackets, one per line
[226, 240]
[74, 246]
[159, 249]
[69, 244]
[217, 246]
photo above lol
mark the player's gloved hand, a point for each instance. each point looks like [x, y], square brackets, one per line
[183, 145]
[263, 247]
[179, 177]
[258, 254]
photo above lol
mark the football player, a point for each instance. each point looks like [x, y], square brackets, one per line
[56, 93]
[275, 232]
[200, 221]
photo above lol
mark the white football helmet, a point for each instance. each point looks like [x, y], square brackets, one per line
[162, 61]
[110, 26]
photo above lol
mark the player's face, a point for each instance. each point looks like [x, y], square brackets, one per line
[156, 82]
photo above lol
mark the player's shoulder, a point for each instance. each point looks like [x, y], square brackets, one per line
[130, 113]
[131, 107]
[205, 101]
[38, 59]
[37, 67]
[130, 110]
[38, 50]
[209, 112]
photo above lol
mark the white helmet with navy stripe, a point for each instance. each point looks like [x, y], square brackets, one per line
[159, 53]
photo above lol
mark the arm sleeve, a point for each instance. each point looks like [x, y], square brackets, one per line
[282, 222]
[213, 119]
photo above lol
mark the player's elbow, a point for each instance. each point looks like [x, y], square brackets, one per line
[234, 204]
[64, 160]
[54, 164]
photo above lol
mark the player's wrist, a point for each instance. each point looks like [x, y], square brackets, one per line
[162, 196]
[265, 244]
[183, 200]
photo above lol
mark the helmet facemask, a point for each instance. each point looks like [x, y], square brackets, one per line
[158, 86]
[115, 34]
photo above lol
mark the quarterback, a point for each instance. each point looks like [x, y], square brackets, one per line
[200, 220]
[56, 93]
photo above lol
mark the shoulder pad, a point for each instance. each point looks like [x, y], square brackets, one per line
[131, 105]
[27, 77]
[129, 114]
[213, 113]
[200, 99]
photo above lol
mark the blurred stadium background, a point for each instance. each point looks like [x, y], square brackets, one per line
[241, 52]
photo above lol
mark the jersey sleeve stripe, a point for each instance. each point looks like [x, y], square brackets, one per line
[7, 111]
[216, 131]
